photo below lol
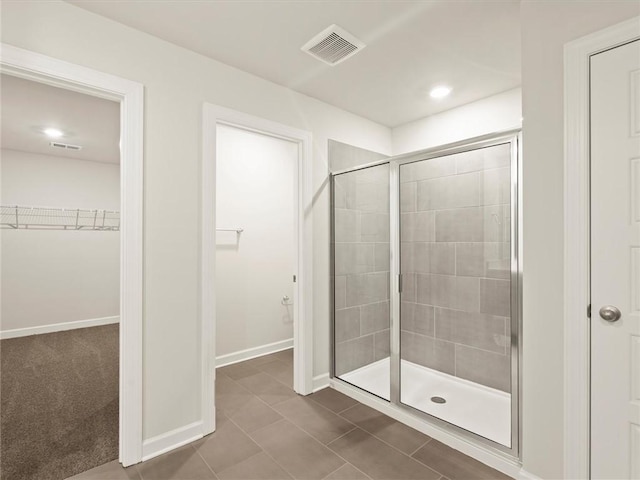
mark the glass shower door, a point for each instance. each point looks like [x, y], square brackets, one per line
[456, 300]
[361, 273]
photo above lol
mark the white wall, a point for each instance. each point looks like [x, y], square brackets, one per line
[255, 177]
[546, 27]
[489, 115]
[177, 82]
[51, 277]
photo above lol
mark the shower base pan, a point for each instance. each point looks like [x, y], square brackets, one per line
[482, 410]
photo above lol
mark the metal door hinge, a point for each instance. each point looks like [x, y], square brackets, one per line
[589, 311]
[294, 279]
[399, 283]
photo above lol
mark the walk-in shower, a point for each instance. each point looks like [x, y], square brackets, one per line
[425, 281]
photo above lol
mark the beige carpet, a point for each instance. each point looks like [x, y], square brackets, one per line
[58, 403]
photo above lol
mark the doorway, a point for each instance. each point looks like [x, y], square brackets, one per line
[46, 70]
[256, 247]
[60, 170]
[301, 279]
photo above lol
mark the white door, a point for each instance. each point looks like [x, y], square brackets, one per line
[615, 263]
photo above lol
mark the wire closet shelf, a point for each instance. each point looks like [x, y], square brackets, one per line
[47, 218]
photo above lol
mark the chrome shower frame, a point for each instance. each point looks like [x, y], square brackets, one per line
[514, 138]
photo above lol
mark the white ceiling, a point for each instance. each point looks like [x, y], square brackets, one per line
[29, 107]
[472, 45]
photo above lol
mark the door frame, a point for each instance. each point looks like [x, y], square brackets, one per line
[130, 95]
[577, 339]
[212, 116]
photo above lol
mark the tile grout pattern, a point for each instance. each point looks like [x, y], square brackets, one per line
[267, 431]
[362, 268]
[455, 257]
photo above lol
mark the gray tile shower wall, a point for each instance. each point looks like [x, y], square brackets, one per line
[361, 212]
[455, 261]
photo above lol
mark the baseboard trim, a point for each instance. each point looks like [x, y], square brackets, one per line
[58, 327]
[320, 382]
[166, 442]
[249, 353]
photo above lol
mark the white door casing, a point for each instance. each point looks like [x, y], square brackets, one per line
[615, 262]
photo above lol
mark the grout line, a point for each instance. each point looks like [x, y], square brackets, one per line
[326, 444]
[309, 397]
[359, 470]
[435, 321]
[355, 427]
[341, 457]
[455, 359]
[319, 442]
[249, 434]
[238, 384]
[387, 443]
[452, 342]
[275, 378]
[257, 367]
[336, 439]
[250, 457]
[267, 405]
[334, 471]
[257, 398]
[416, 450]
[481, 349]
[311, 434]
[507, 337]
[135, 467]
[391, 446]
[262, 450]
[274, 460]
[455, 258]
[429, 467]
[348, 408]
[343, 465]
[383, 441]
[205, 462]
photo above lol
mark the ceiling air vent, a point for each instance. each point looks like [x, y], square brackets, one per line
[333, 45]
[65, 145]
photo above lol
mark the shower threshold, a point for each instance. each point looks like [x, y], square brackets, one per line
[482, 410]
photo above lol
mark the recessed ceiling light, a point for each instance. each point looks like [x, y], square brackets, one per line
[53, 132]
[440, 92]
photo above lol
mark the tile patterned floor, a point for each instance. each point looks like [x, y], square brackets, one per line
[265, 432]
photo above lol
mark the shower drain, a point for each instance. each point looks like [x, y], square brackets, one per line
[438, 400]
